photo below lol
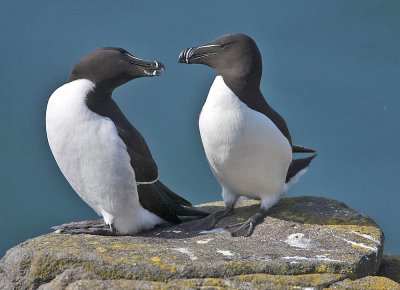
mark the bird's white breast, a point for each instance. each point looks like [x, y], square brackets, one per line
[92, 156]
[246, 151]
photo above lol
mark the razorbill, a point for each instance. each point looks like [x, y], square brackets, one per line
[103, 157]
[247, 143]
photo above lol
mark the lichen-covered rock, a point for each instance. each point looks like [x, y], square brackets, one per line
[250, 281]
[4, 282]
[367, 283]
[267, 281]
[67, 278]
[301, 235]
[390, 267]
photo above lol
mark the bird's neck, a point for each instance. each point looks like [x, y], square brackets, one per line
[242, 85]
[99, 98]
[101, 92]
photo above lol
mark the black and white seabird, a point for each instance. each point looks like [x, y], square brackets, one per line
[247, 143]
[103, 157]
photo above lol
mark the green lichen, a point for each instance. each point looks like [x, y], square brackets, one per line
[317, 210]
[232, 268]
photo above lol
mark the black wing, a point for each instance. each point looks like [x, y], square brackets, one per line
[141, 160]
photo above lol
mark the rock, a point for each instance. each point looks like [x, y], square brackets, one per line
[367, 283]
[68, 277]
[4, 282]
[301, 235]
[267, 281]
[390, 267]
[250, 281]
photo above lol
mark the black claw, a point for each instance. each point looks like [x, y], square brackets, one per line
[250, 230]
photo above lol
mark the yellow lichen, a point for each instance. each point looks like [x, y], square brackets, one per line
[372, 230]
[155, 259]
[360, 248]
[101, 250]
[234, 268]
[323, 268]
[162, 264]
[127, 247]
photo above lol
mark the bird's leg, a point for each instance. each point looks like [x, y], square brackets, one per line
[96, 227]
[210, 221]
[113, 229]
[246, 229]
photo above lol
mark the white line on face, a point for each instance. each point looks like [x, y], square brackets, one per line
[210, 45]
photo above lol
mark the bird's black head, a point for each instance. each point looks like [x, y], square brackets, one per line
[112, 66]
[232, 55]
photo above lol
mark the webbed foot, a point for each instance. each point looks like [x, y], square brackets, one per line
[208, 222]
[97, 227]
[246, 229]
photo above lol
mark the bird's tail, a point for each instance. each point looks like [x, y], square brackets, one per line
[162, 201]
[301, 149]
[184, 208]
[172, 195]
[297, 168]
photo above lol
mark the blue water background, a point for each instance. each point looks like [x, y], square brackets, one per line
[331, 68]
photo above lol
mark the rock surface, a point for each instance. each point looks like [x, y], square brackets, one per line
[73, 279]
[369, 282]
[390, 267]
[301, 235]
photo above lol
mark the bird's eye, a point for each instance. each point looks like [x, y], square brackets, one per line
[225, 45]
[228, 44]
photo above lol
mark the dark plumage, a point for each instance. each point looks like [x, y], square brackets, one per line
[90, 152]
[248, 142]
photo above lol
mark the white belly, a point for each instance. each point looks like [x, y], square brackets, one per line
[93, 158]
[247, 153]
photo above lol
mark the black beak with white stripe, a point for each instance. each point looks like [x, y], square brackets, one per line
[150, 68]
[197, 54]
